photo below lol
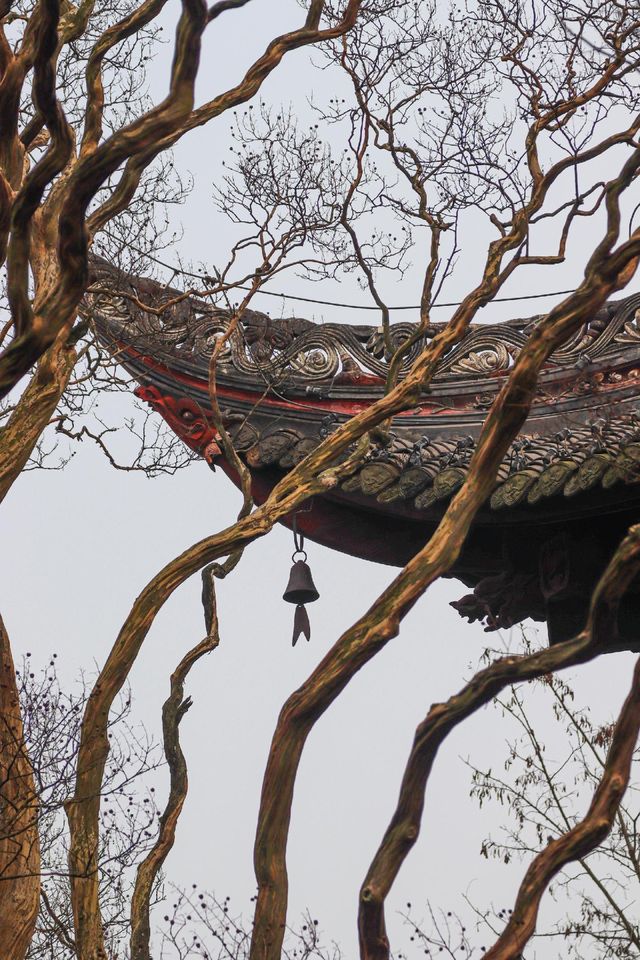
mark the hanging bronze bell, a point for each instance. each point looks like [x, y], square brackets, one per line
[301, 588]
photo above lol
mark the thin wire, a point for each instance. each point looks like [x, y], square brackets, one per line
[363, 306]
[350, 306]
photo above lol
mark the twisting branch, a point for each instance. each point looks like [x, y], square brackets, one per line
[541, 800]
[19, 841]
[404, 828]
[83, 809]
[226, 442]
[241, 93]
[605, 273]
[55, 311]
[133, 23]
[127, 154]
[581, 839]
[136, 146]
[222, 6]
[173, 711]
[54, 160]
[24, 427]
[357, 646]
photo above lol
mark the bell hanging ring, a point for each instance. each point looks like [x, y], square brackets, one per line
[301, 589]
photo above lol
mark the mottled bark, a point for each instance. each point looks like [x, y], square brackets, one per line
[582, 839]
[33, 412]
[173, 711]
[314, 475]
[84, 807]
[135, 146]
[19, 844]
[55, 158]
[606, 272]
[404, 828]
[52, 313]
[241, 93]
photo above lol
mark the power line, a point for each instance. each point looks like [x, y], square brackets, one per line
[366, 306]
[350, 306]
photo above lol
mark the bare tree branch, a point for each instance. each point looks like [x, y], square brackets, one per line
[19, 841]
[138, 143]
[404, 828]
[173, 711]
[581, 839]
[25, 425]
[359, 644]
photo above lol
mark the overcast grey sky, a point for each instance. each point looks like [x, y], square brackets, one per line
[80, 545]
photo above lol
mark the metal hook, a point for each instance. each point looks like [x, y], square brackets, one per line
[298, 539]
[298, 536]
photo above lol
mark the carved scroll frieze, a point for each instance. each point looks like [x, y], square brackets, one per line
[298, 351]
[630, 332]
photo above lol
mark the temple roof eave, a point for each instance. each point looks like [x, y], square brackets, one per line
[288, 383]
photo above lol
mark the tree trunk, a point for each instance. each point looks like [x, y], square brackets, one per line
[32, 413]
[19, 842]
